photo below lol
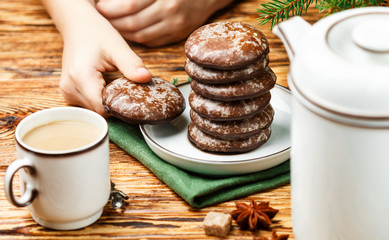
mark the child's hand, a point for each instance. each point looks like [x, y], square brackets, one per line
[92, 46]
[158, 22]
[87, 55]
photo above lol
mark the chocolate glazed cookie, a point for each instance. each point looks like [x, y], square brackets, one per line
[239, 90]
[157, 101]
[226, 45]
[208, 143]
[232, 130]
[217, 76]
[227, 111]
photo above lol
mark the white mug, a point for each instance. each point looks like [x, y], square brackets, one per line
[63, 190]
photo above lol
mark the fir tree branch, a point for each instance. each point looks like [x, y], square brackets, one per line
[278, 10]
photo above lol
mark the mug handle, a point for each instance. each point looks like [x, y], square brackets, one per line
[29, 192]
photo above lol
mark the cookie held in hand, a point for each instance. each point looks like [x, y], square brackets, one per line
[155, 102]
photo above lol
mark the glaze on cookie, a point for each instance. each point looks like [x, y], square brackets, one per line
[232, 130]
[239, 90]
[206, 142]
[226, 45]
[217, 76]
[227, 111]
[154, 102]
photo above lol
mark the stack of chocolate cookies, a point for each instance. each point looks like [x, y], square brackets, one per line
[231, 82]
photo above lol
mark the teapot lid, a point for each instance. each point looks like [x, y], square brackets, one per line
[341, 64]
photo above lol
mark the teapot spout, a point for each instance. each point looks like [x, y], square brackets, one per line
[290, 32]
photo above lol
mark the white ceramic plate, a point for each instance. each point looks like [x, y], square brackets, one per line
[170, 142]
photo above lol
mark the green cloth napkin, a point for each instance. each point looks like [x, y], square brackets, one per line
[196, 189]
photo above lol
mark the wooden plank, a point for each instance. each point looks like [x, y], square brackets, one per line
[30, 68]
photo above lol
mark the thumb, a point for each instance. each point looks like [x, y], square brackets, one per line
[130, 65]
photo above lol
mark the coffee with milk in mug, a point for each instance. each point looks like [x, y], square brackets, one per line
[61, 135]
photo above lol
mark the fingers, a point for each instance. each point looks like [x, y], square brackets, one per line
[83, 86]
[159, 34]
[130, 64]
[158, 24]
[92, 90]
[136, 21]
[120, 8]
[149, 16]
[84, 90]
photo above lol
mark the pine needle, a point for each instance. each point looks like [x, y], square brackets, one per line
[279, 10]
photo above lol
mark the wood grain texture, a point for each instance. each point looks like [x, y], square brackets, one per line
[30, 68]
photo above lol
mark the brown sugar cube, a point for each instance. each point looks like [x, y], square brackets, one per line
[217, 224]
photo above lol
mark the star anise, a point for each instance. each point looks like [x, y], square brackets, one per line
[274, 236]
[254, 215]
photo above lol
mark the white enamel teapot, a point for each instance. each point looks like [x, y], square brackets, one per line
[339, 78]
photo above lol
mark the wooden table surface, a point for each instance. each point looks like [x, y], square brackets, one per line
[30, 68]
